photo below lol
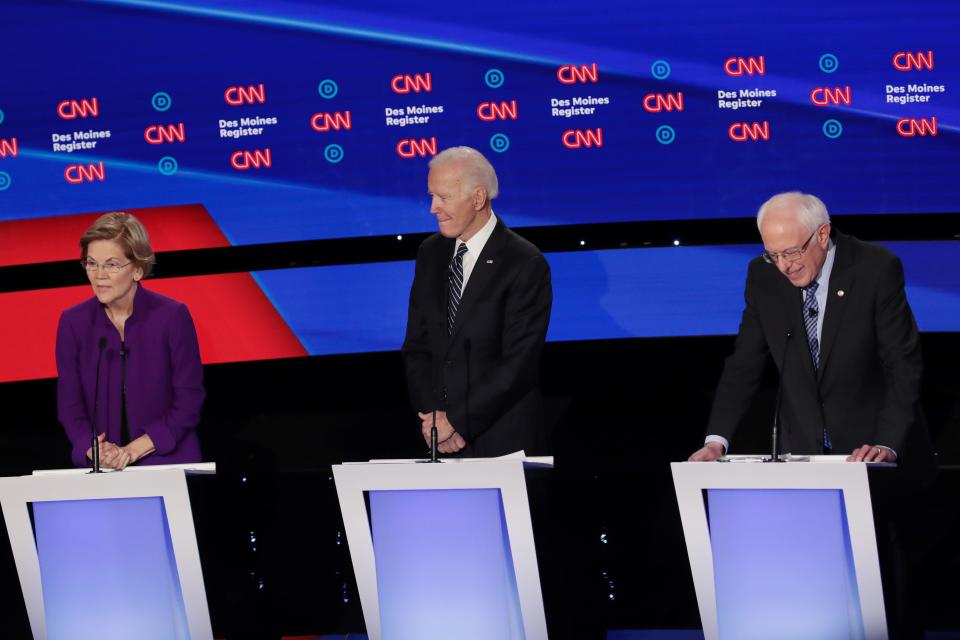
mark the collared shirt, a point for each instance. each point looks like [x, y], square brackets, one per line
[823, 280]
[474, 246]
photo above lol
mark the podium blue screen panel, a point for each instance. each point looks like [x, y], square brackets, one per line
[783, 565]
[108, 566]
[444, 565]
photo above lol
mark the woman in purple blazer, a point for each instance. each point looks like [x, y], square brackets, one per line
[145, 345]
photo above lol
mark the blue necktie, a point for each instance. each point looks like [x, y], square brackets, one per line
[454, 286]
[811, 312]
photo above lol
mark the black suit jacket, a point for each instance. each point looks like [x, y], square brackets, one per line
[867, 388]
[486, 373]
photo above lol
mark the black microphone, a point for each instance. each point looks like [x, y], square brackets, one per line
[433, 427]
[124, 424]
[95, 448]
[442, 384]
[812, 312]
[466, 391]
[775, 432]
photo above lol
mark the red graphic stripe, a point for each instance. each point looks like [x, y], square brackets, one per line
[57, 238]
[235, 322]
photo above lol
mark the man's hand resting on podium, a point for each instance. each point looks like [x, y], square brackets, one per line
[452, 444]
[872, 453]
[711, 451]
[448, 440]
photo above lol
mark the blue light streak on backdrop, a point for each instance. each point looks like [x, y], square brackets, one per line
[622, 293]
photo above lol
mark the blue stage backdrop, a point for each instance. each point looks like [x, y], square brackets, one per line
[294, 120]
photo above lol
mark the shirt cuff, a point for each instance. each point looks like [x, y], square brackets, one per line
[720, 439]
[896, 456]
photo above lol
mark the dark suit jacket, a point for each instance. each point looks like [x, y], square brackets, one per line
[486, 373]
[867, 389]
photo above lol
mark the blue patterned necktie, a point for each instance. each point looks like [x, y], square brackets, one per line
[811, 312]
[454, 286]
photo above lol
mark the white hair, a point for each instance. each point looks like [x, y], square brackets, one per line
[810, 210]
[477, 170]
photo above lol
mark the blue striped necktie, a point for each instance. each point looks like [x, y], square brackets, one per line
[811, 313]
[454, 286]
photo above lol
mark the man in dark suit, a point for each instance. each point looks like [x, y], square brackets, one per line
[833, 313]
[835, 310]
[478, 315]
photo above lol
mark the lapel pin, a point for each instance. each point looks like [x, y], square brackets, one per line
[840, 293]
[489, 261]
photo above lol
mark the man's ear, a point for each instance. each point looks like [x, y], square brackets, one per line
[479, 198]
[825, 230]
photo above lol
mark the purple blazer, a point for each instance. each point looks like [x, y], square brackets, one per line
[164, 377]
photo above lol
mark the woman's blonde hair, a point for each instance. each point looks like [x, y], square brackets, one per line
[126, 231]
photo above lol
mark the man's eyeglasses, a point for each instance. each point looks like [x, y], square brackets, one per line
[790, 255]
[113, 268]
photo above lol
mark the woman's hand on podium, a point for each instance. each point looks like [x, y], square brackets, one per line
[711, 451]
[114, 457]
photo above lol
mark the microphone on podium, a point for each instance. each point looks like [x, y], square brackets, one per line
[95, 447]
[775, 432]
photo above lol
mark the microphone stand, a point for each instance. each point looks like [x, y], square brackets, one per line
[95, 447]
[443, 390]
[433, 437]
[775, 432]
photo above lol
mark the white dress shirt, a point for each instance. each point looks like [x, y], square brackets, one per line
[474, 247]
[823, 288]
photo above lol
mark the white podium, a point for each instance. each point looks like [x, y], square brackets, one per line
[783, 550]
[105, 556]
[443, 550]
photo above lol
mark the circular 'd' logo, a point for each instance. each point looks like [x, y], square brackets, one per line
[660, 69]
[665, 134]
[499, 142]
[832, 129]
[494, 78]
[333, 153]
[4, 181]
[167, 165]
[328, 89]
[161, 101]
[829, 63]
